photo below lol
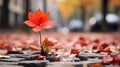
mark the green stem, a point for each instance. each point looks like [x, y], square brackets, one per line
[42, 50]
[40, 39]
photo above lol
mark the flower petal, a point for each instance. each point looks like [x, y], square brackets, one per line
[47, 25]
[45, 17]
[36, 29]
[29, 23]
[38, 15]
[31, 17]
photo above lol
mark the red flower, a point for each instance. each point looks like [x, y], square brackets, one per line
[38, 21]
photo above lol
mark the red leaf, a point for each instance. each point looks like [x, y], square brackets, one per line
[49, 42]
[107, 59]
[75, 51]
[39, 57]
[116, 59]
[108, 51]
[96, 41]
[104, 50]
[104, 45]
[94, 47]
[9, 48]
[34, 48]
[81, 38]
[83, 43]
[114, 43]
[96, 65]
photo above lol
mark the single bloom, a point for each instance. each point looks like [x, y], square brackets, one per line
[39, 21]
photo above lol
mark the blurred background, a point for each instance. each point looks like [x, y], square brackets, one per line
[69, 15]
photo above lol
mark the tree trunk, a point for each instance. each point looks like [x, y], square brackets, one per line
[5, 15]
[117, 10]
[83, 16]
[44, 6]
[104, 12]
[25, 17]
[27, 8]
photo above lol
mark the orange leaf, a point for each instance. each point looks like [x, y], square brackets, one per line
[34, 48]
[96, 65]
[49, 42]
[74, 51]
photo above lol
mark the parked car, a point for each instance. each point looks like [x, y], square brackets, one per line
[112, 22]
[75, 25]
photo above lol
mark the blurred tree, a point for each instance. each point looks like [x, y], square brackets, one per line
[67, 7]
[90, 5]
[114, 3]
[87, 12]
[104, 12]
[27, 9]
[44, 5]
[5, 15]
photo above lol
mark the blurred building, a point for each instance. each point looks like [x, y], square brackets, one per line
[62, 11]
[18, 9]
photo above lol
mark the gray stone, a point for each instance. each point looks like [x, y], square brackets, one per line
[33, 63]
[12, 59]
